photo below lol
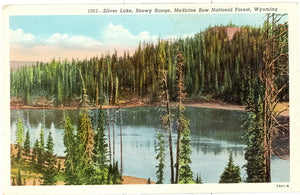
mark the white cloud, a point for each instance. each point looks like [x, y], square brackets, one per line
[72, 41]
[26, 46]
[117, 34]
[19, 37]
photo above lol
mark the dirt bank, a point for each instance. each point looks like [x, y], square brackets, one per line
[134, 102]
[134, 180]
[217, 105]
[43, 103]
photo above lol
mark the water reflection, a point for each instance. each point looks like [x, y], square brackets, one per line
[214, 134]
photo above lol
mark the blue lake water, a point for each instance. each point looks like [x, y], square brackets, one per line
[214, 134]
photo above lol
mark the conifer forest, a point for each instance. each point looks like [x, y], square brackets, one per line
[150, 93]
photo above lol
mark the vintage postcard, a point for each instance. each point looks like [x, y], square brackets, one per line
[150, 98]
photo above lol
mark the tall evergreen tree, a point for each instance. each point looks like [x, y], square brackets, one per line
[19, 178]
[254, 154]
[13, 181]
[167, 123]
[183, 170]
[274, 75]
[114, 175]
[100, 151]
[20, 132]
[41, 148]
[198, 179]
[27, 144]
[108, 130]
[35, 151]
[114, 136]
[19, 136]
[160, 156]
[85, 137]
[50, 171]
[181, 96]
[121, 139]
[70, 151]
[185, 173]
[100, 148]
[231, 173]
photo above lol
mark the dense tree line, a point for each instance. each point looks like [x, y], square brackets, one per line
[216, 67]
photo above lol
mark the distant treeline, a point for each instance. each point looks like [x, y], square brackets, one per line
[217, 65]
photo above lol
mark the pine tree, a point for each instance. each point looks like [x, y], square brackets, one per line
[19, 179]
[86, 136]
[35, 151]
[100, 148]
[41, 148]
[20, 132]
[85, 151]
[167, 122]
[100, 151]
[274, 74]
[114, 173]
[254, 154]
[160, 156]
[27, 144]
[185, 173]
[42, 139]
[109, 175]
[121, 139]
[114, 136]
[50, 172]
[70, 151]
[20, 136]
[198, 179]
[13, 181]
[180, 86]
[183, 170]
[231, 173]
[108, 130]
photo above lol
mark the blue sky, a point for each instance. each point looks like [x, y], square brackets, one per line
[46, 37]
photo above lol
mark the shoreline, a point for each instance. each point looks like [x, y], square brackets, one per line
[206, 104]
[211, 105]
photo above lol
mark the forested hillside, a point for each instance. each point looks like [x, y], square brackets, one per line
[219, 64]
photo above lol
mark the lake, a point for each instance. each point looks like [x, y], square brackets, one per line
[214, 134]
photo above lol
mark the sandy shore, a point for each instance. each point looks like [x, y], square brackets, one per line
[212, 105]
[217, 105]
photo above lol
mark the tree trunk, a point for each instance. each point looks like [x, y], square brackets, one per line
[275, 59]
[108, 130]
[181, 97]
[169, 125]
[177, 153]
[114, 136]
[97, 95]
[121, 140]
